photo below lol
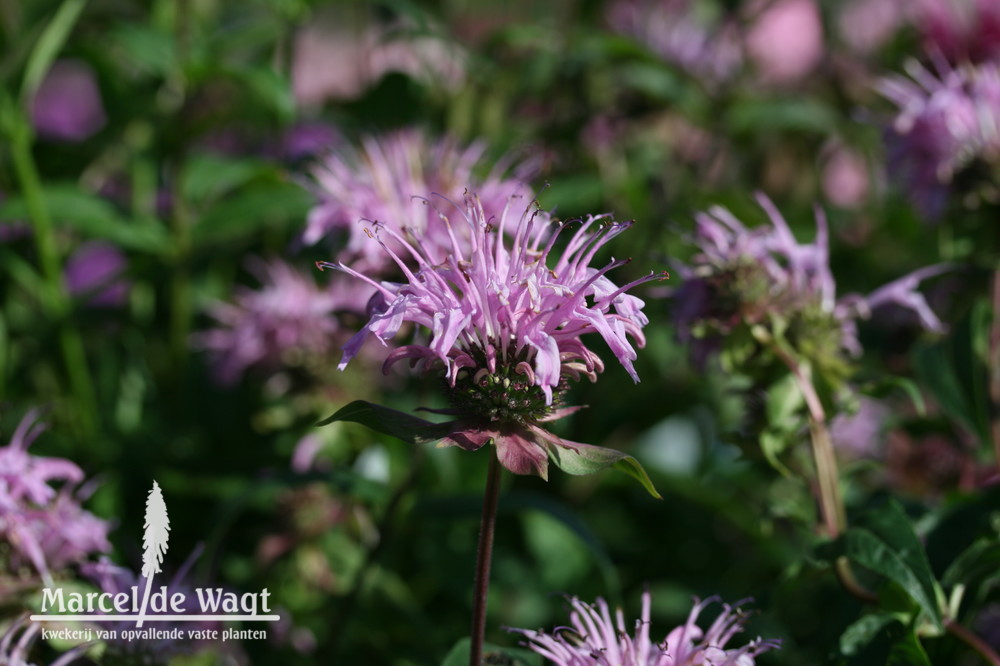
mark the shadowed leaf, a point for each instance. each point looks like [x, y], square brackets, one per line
[391, 422]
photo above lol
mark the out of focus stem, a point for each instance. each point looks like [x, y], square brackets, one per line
[973, 641]
[994, 366]
[180, 283]
[484, 554]
[55, 300]
[831, 502]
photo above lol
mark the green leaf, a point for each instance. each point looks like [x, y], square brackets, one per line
[861, 632]
[145, 47]
[22, 272]
[886, 543]
[908, 652]
[585, 459]
[271, 88]
[653, 80]
[885, 386]
[792, 114]
[210, 176]
[526, 502]
[979, 560]
[390, 422]
[267, 205]
[459, 655]
[573, 194]
[784, 399]
[772, 445]
[93, 217]
[937, 372]
[48, 47]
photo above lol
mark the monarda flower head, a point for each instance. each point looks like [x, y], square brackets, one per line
[504, 315]
[289, 318]
[43, 525]
[747, 281]
[944, 124]
[594, 639]
[388, 178]
[682, 35]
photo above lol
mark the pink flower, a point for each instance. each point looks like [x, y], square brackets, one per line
[865, 25]
[67, 105]
[363, 55]
[743, 277]
[845, 177]
[944, 123]
[674, 30]
[94, 271]
[961, 30]
[860, 433]
[594, 639]
[264, 328]
[504, 316]
[785, 40]
[45, 526]
[390, 179]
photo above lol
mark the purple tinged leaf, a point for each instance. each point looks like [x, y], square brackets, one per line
[388, 421]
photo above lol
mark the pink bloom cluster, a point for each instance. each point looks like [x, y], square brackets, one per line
[389, 178]
[673, 30]
[961, 30]
[19, 638]
[746, 276]
[944, 122]
[505, 315]
[45, 526]
[67, 105]
[114, 580]
[595, 639]
[494, 302]
[288, 315]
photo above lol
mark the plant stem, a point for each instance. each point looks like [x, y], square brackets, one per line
[994, 366]
[988, 654]
[55, 299]
[831, 502]
[484, 553]
[180, 283]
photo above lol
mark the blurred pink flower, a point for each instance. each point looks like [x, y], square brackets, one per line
[338, 64]
[20, 636]
[961, 30]
[678, 32]
[112, 579]
[94, 272]
[860, 433]
[845, 177]
[944, 122]
[44, 526]
[865, 25]
[67, 105]
[287, 316]
[785, 40]
[398, 178]
[595, 639]
[748, 276]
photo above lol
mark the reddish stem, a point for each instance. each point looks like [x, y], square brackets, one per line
[484, 554]
[973, 641]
